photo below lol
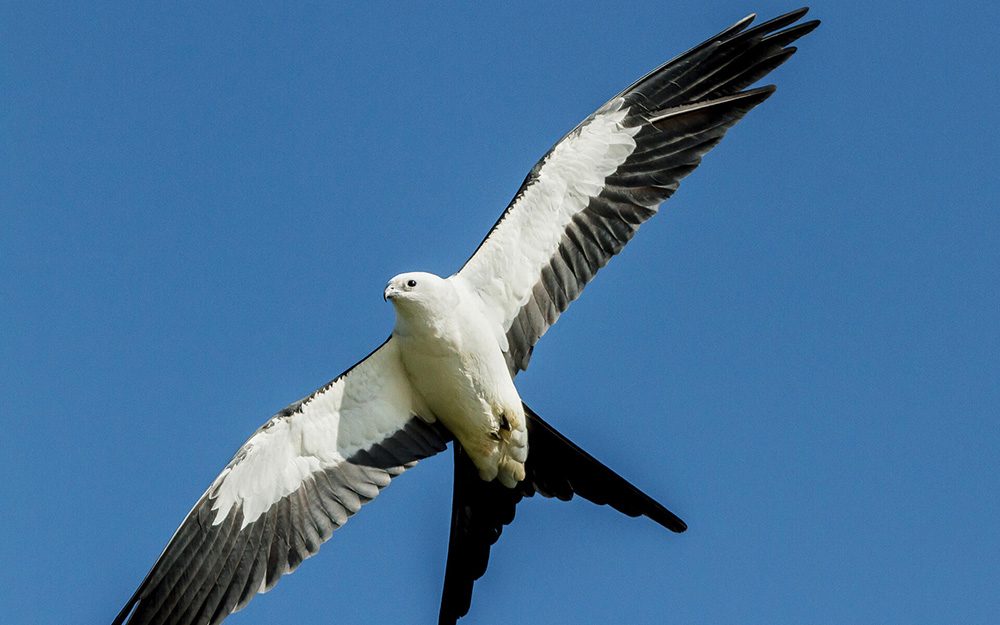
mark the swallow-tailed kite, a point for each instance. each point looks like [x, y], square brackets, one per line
[447, 371]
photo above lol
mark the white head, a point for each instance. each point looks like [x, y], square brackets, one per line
[421, 294]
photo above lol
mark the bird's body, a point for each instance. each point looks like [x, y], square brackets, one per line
[456, 366]
[446, 374]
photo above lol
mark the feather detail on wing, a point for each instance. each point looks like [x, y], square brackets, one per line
[585, 199]
[298, 478]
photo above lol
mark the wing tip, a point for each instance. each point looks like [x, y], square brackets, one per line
[127, 610]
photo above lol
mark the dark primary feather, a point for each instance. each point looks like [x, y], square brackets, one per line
[683, 108]
[208, 571]
[555, 468]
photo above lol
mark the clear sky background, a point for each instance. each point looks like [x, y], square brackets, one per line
[200, 207]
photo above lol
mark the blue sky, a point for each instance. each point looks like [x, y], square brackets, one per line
[200, 206]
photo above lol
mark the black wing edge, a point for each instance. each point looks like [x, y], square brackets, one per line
[743, 73]
[208, 571]
[556, 467]
[683, 108]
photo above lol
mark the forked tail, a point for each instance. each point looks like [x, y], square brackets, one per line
[555, 468]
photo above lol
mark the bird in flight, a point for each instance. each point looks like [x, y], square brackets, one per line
[446, 373]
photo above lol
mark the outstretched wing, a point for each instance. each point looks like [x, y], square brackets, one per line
[583, 201]
[555, 468]
[298, 478]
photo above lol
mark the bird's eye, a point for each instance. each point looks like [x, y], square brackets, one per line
[411, 283]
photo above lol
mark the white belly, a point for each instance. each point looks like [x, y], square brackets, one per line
[461, 374]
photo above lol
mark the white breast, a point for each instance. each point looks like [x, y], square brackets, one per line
[451, 355]
[457, 366]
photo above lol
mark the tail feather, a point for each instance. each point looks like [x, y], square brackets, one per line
[555, 468]
[559, 468]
